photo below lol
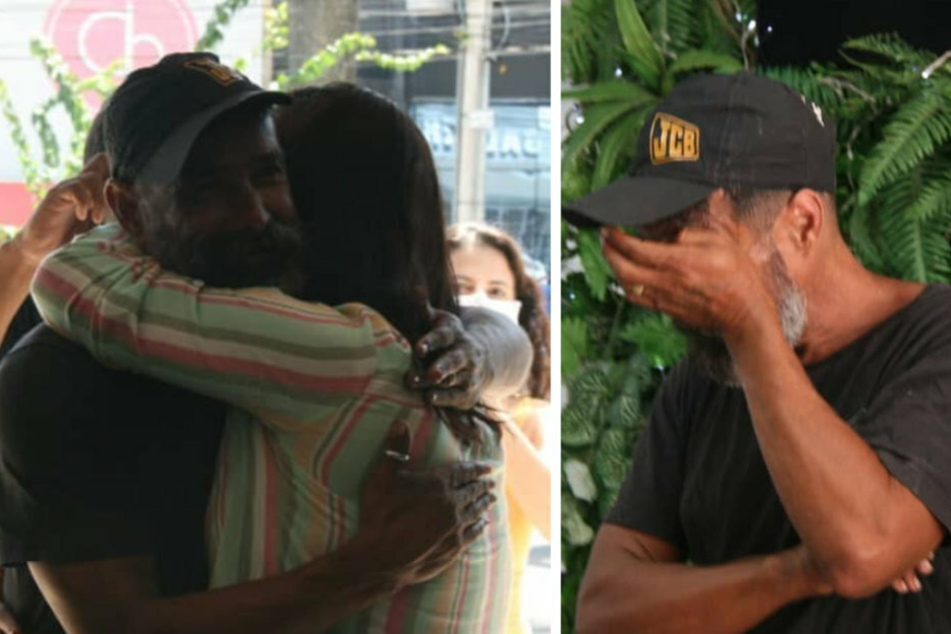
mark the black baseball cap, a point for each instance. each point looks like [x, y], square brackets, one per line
[716, 131]
[158, 112]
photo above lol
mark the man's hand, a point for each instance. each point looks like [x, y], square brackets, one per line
[454, 368]
[799, 560]
[706, 279]
[909, 582]
[419, 522]
[69, 208]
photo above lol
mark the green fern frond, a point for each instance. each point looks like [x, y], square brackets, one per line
[587, 27]
[643, 55]
[809, 82]
[900, 236]
[935, 198]
[917, 249]
[865, 247]
[672, 24]
[615, 149]
[597, 117]
[705, 60]
[912, 134]
[614, 90]
[891, 48]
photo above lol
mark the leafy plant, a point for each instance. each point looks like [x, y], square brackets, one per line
[892, 107]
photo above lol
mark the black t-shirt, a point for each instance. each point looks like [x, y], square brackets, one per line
[699, 480]
[98, 464]
[26, 319]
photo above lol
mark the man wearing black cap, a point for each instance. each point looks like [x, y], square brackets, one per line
[798, 458]
[104, 477]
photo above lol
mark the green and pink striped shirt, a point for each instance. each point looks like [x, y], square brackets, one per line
[315, 390]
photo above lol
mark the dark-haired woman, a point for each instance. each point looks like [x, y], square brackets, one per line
[490, 273]
[319, 385]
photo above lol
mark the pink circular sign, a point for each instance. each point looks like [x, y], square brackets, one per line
[92, 34]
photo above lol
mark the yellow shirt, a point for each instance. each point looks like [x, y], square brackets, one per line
[520, 535]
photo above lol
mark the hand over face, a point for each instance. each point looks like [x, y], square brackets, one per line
[70, 207]
[420, 521]
[454, 364]
[705, 279]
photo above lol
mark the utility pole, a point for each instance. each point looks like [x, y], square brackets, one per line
[475, 118]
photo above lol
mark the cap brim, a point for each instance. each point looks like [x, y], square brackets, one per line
[165, 164]
[633, 201]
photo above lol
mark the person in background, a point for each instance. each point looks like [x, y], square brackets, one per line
[490, 273]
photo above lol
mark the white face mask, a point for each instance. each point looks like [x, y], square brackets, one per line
[508, 307]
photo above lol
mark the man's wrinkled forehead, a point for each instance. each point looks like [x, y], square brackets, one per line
[244, 140]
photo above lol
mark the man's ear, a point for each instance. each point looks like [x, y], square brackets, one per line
[124, 203]
[803, 220]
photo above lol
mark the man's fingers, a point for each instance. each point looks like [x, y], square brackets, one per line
[628, 271]
[95, 198]
[396, 447]
[452, 363]
[925, 567]
[439, 338]
[471, 492]
[459, 398]
[399, 439]
[477, 508]
[79, 201]
[908, 582]
[654, 255]
[473, 531]
[454, 475]
[98, 165]
[462, 474]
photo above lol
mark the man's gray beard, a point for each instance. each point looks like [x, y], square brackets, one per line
[708, 352]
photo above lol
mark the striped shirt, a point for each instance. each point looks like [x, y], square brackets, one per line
[315, 390]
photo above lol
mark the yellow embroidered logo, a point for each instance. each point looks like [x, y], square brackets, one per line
[673, 139]
[219, 72]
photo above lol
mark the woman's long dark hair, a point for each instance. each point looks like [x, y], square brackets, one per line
[366, 190]
[532, 317]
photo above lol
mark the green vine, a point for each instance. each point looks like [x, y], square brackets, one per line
[221, 17]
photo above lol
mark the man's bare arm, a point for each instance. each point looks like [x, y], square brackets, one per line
[118, 596]
[637, 583]
[413, 526]
[860, 523]
[16, 271]
[70, 206]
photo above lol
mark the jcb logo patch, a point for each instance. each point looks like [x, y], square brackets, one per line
[673, 139]
[219, 72]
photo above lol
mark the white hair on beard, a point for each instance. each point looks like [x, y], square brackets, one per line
[708, 352]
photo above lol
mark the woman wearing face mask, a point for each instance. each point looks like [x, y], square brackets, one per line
[490, 273]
